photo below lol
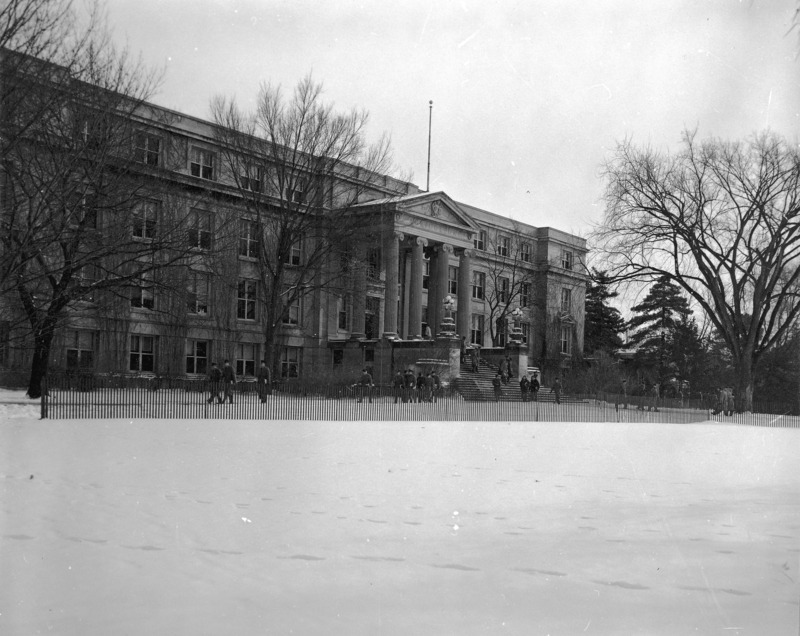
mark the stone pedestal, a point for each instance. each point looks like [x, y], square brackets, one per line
[518, 353]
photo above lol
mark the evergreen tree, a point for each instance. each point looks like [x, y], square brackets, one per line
[656, 321]
[603, 323]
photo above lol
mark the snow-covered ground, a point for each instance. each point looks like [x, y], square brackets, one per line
[111, 526]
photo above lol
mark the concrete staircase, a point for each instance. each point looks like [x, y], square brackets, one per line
[477, 386]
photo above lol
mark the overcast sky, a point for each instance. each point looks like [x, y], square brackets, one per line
[529, 96]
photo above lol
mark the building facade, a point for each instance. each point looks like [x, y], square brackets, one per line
[413, 260]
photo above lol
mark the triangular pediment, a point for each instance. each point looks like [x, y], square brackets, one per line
[437, 207]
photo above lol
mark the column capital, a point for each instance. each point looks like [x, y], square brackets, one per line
[466, 252]
[418, 240]
[397, 234]
[446, 248]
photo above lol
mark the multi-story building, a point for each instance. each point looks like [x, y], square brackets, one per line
[410, 250]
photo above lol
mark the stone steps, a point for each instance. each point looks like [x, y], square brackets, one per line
[477, 387]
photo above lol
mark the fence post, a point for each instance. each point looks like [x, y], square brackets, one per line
[44, 398]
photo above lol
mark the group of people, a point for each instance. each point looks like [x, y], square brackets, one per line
[224, 380]
[420, 388]
[528, 388]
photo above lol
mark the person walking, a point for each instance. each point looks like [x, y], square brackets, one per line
[264, 379]
[365, 386]
[534, 388]
[420, 387]
[557, 390]
[497, 384]
[398, 384]
[624, 396]
[437, 386]
[473, 356]
[228, 381]
[524, 387]
[509, 369]
[214, 383]
[408, 391]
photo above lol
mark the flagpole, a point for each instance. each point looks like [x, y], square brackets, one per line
[430, 118]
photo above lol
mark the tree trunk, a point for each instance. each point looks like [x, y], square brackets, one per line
[744, 384]
[43, 340]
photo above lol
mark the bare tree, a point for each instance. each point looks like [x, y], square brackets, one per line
[84, 216]
[509, 279]
[299, 168]
[720, 219]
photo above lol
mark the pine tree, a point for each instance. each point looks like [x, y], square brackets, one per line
[603, 323]
[656, 321]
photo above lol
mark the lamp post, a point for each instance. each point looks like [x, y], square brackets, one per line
[516, 333]
[448, 326]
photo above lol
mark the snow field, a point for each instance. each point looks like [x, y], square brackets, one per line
[303, 527]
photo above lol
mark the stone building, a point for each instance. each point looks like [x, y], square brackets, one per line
[416, 251]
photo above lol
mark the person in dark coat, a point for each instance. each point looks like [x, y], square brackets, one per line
[264, 378]
[534, 388]
[214, 383]
[524, 387]
[497, 384]
[557, 390]
[398, 384]
[463, 349]
[408, 394]
[437, 385]
[420, 387]
[365, 386]
[509, 369]
[228, 381]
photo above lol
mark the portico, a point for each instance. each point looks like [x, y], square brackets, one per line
[418, 229]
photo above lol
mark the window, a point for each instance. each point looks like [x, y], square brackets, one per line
[296, 190]
[503, 291]
[87, 277]
[525, 295]
[83, 212]
[478, 284]
[479, 242]
[290, 362]
[245, 359]
[197, 356]
[145, 215]
[248, 238]
[566, 300]
[246, 300]
[250, 179]
[426, 272]
[294, 254]
[503, 245]
[292, 314]
[143, 353]
[502, 332]
[567, 259]
[142, 296]
[202, 164]
[526, 331]
[148, 149]
[372, 308]
[525, 252]
[476, 331]
[373, 263]
[200, 230]
[344, 313]
[338, 357]
[80, 350]
[566, 339]
[452, 280]
[197, 290]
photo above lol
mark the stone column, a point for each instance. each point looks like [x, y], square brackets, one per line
[359, 293]
[391, 262]
[464, 306]
[442, 266]
[415, 288]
